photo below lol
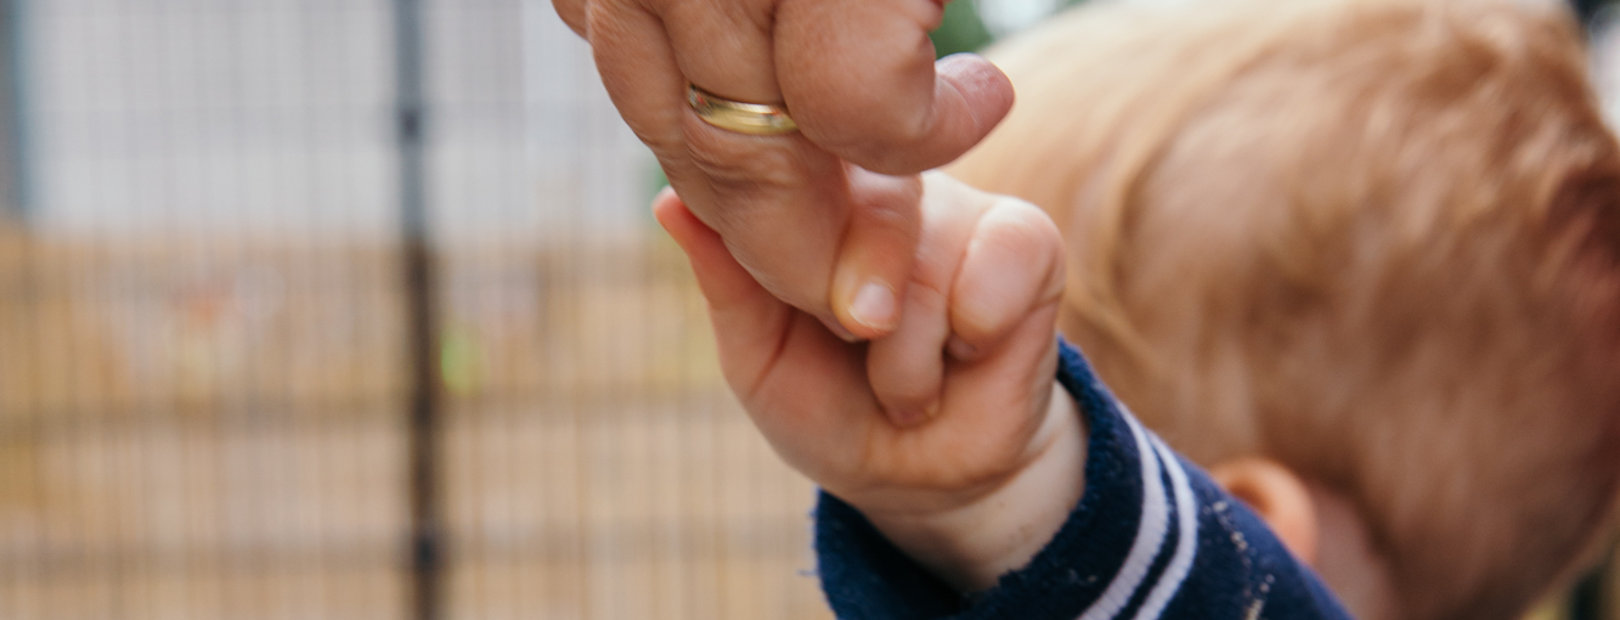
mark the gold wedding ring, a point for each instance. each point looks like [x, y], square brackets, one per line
[759, 119]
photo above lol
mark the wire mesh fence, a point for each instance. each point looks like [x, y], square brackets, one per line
[210, 362]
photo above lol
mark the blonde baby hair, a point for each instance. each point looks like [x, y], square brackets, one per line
[1375, 240]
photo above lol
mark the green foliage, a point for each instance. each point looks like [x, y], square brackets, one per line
[961, 30]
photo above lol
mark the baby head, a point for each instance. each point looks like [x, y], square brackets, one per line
[1359, 258]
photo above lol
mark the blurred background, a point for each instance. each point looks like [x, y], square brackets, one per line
[353, 309]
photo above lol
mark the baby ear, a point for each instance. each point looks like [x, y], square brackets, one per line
[1279, 496]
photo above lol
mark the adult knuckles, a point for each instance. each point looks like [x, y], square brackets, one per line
[889, 141]
[747, 165]
[892, 129]
[572, 13]
[599, 16]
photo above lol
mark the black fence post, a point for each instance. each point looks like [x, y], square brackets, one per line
[421, 299]
[14, 169]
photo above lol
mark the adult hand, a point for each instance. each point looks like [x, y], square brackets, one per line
[815, 211]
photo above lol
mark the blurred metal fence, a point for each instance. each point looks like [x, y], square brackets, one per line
[254, 284]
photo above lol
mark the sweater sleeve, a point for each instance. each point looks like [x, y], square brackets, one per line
[1152, 537]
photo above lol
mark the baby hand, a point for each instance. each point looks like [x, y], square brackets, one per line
[950, 434]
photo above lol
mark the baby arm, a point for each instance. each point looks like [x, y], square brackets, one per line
[949, 435]
[952, 464]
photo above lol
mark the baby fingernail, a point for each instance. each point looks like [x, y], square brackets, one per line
[874, 306]
[905, 418]
[960, 349]
[843, 334]
[912, 416]
[838, 330]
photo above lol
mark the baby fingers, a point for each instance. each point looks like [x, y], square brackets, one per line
[748, 321]
[1012, 267]
[985, 265]
[906, 368]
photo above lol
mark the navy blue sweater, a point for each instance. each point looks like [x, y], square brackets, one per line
[1152, 537]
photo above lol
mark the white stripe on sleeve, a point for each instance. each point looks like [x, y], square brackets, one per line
[1150, 534]
[1186, 546]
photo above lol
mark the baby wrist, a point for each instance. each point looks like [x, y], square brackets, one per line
[972, 545]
